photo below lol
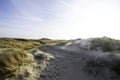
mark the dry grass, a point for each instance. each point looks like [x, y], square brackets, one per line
[12, 59]
[14, 53]
[26, 44]
[16, 43]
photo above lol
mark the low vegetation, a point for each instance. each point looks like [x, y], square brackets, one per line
[15, 52]
[106, 44]
[110, 46]
[26, 44]
[12, 59]
[116, 65]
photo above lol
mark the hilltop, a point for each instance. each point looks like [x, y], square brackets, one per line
[20, 59]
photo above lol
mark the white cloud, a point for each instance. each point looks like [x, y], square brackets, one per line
[30, 18]
[64, 3]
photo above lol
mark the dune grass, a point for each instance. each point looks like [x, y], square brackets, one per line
[106, 44]
[112, 47]
[12, 59]
[14, 52]
[26, 44]
[16, 43]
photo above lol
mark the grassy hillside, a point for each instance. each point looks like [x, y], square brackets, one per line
[12, 59]
[15, 52]
[110, 46]
[106, 44]
[26, 44]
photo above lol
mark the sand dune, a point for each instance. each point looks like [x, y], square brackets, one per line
[72, 62]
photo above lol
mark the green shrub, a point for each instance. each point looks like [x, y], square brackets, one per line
[116, 66]
[106, 44]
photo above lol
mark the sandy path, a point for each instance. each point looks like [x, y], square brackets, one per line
[77, 65]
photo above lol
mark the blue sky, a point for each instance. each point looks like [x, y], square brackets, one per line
[59, 19]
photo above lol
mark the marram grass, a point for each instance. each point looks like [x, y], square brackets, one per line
[14, 53]
[12, 59]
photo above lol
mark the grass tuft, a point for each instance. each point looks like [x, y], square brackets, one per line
[15, 52]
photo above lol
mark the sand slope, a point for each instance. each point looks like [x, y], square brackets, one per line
[77, 64]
